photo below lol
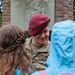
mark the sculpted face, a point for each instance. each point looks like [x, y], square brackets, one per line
[42, 38]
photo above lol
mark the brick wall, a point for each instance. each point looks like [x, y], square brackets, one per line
[63, 10]
[6, 12]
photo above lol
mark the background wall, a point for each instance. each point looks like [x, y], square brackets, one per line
[22, 10]
[63, 10]
[6, 19]
[58, 10]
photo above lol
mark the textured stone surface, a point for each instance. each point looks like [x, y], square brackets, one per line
[63, 10]
[6, 12]
[22, 10]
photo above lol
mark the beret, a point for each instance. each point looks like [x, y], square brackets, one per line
[37, 23]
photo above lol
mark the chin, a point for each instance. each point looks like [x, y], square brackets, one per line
[42, 43]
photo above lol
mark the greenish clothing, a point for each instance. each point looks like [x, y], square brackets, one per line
[38, 55]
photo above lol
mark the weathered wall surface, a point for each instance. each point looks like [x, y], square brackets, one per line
[22, 10]
[63, 10]
[6, 19]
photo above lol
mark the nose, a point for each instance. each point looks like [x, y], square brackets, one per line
[43, 35]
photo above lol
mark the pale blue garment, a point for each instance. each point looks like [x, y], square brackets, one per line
[62, 49]
[17, 72]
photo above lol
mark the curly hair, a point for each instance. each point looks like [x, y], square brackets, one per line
[12, 53]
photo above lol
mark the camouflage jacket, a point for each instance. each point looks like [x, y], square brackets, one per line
[38, 55]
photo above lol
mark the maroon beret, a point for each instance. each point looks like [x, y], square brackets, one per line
[37, 23]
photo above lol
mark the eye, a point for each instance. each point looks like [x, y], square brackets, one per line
[45, 31]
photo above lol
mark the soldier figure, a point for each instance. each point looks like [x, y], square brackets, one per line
[38, 45]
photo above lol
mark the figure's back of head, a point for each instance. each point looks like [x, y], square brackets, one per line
[9, 34]
[12, 40]
[62, 44]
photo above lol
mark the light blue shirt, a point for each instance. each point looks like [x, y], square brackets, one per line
[17, 72]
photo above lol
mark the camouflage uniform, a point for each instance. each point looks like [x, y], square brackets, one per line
[38, 55]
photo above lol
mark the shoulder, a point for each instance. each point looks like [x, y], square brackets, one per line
[28, 40]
